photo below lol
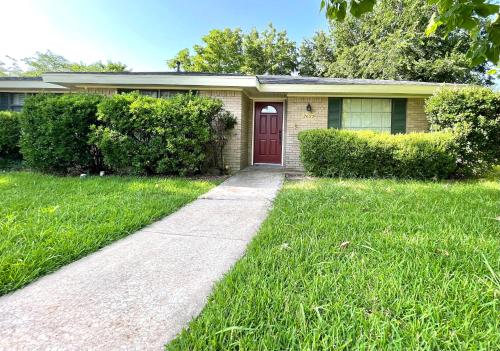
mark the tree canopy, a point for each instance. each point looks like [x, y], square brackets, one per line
[48, 61]
[479, 18]
[390, 43]
[232, 51]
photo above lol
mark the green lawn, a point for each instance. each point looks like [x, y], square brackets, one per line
[47, 222]
[363, 265]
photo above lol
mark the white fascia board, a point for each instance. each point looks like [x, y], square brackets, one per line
[358, 89]
[31, 85]
[150, 80]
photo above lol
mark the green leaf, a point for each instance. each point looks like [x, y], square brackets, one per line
[433, 25]
[358, 8]
[485, 10]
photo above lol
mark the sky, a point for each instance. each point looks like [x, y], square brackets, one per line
[143, 34]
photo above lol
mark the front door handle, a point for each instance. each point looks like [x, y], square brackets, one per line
[280, 135]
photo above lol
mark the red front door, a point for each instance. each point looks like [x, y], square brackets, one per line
[268, 134]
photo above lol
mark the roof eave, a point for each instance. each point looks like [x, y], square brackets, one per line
[357, 89]
[76, 79]
[28, 85]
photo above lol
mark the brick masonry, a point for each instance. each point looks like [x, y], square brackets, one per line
[238, 151]
[235, 152]
[416, 120]
[297, 121]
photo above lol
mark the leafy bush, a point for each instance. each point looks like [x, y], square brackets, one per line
[144, 135]
[55, 132]
[343, 153]
[473, 113]
[10, 131]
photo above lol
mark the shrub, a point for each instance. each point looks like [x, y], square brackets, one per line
[144, 135]
[55, 133]
[10, 131]
[343, 153]
[473, 113]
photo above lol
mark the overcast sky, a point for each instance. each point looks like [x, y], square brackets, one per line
[142, 33]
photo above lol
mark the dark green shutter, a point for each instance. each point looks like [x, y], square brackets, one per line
[335, 112]
[398, 116]
[4, 101]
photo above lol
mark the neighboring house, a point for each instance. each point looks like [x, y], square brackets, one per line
[270, 110]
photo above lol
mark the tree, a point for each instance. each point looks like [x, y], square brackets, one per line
[98, 66]
[269, 52]
[231, 51]
[43, 62]
[389, 43]
[183, 58]
[479, 18]
[220, 53]
[3, 69]
[11, 68]
[316, 55]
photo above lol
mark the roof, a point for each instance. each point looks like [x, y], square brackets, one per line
[21, 79]
[160, 73]
[27, 84]
[253, 86]
[280, 79]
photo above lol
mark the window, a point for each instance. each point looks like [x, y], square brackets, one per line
[367, 114]
[268, 109]
[12, 101]
[170, 93]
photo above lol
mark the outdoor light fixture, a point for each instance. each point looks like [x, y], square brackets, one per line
[309, 107]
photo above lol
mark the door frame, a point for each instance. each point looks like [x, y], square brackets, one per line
[283, 131]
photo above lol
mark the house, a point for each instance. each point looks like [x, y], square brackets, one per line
[270, 110]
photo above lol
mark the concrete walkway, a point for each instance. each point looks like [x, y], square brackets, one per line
[139, 292]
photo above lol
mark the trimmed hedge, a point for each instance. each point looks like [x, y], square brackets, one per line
[10, 131]
[144, 135]
[55, 133]
[343, 153]
[473, 114]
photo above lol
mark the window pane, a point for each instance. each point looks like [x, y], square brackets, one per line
[18, 99]
[269, 109]
[170, 93]
[355, 105]
[152, 93]
[366, 105]
[366, 114]
[346, 105]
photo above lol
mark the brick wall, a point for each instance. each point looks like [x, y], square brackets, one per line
[246, 121]
[102, 91]
[236, 150]
[416, 120]
[249, 126]
[296, 121]
[233, 102]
